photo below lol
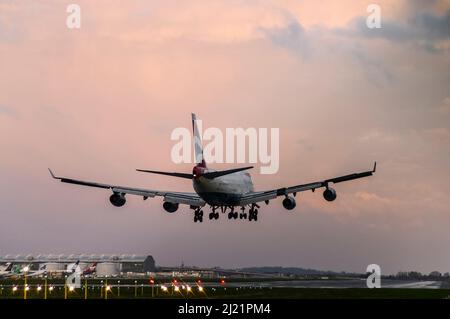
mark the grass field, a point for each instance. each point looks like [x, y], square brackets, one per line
[140, 288]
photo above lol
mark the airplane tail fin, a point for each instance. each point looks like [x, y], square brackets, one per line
[198, 148]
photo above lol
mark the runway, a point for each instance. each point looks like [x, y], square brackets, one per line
[344, 283]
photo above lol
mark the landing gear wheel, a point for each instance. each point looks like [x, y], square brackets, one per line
[198, 216]
[235, 215]
[216, 215]
[230, 215]
[211, 215]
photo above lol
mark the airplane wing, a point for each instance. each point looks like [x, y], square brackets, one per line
[255, 197]
[172, 197]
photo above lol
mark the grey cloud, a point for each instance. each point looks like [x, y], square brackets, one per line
[423, 30]
[7, 111]
[292, 36]
[436, 27]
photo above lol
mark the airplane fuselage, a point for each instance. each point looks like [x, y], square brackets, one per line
[225, 190]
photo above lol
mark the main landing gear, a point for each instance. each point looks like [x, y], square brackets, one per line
[213, 214]
[198, 215]
[252, 214]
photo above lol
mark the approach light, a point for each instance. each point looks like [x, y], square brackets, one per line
[177, 288]
[200, 288]
[108, 288]
[51, 288]
[14, 288]
[39, 288]
[164, 288]
[188, 288]
[71, 288]
[26, 269]
[27, 288]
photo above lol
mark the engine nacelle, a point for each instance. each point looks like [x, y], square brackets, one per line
[330, 194]
[170, 207]
[289, 203]
[117, 199]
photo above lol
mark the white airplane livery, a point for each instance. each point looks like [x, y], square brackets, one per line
[223, 191]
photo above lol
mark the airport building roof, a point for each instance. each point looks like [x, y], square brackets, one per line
[72, 257]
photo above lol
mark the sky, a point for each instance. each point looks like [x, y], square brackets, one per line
[97, 102]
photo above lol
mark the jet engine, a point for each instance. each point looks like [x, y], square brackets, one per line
[170, 207]
[329, 194]
[117, 199]
[289, 203]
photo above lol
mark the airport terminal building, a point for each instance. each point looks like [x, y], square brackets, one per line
[106, 265]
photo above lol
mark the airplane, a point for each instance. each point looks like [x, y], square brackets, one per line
[6, 269]
[14, 270]
[70, 268]
[90, 269]
[18, 270]
[226, 189]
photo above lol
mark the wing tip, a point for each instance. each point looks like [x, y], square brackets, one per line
[52, 174]
[374, 167]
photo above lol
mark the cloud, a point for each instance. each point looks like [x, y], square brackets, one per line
[373, 198]
[438, 133]
[445, 106]
[291, 36]
[7, 111]
[428, 31]
[433, 26]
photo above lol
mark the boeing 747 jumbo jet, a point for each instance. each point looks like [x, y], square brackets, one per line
[222, 190]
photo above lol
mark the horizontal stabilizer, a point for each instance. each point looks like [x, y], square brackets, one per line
[208, 175]
[182, 175]
[212, 175]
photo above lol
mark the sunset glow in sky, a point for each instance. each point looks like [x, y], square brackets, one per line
[97, 102]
